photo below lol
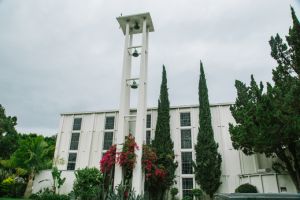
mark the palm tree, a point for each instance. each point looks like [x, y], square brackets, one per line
[32, 155]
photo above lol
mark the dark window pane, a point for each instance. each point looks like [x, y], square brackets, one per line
[186, 162]
[74, 141]
[71, 161]
[77, 124]
[185, 119]
[187, 186]
[148, 124]
[109, 122]
[148, 137]
[186, 139]
[108, 140]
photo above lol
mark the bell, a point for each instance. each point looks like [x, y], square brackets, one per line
[134, 85]
[136, 26]
[135, 53]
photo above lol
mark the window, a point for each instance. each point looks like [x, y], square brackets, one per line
[186, 162]
[77, 124]
[185, 119]
[108, 140]
[187, 186]
[72, 161]
[74, 141]
[148, 137]
[148, 121]
[109, 122]
[186, 139]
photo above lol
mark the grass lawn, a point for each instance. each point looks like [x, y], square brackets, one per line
[8, 198]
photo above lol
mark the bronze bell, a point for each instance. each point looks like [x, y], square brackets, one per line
[135, 53]
[136, 26]
[134, 85]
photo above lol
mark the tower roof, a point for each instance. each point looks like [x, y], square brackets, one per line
[135, 19]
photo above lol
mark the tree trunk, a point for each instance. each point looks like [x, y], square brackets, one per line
[28, 190]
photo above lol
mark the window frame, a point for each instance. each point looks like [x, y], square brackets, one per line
[183, 121]
[187, 191]
[183, 141]
[71, 161]
[187, 165]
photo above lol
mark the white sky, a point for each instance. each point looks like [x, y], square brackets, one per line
[66, 55]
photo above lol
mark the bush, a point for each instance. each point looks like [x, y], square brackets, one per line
[197, 193]
[47, 194]
[246, 188]
[187, 198]
[174, 192]
[88, 183]
[12, 186]
[121, 192]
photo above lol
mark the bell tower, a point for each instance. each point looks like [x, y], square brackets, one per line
[131, 26]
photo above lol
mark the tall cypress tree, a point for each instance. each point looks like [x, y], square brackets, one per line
[162, 142]
[208, 160]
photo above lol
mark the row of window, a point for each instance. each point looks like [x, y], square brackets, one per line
[185, 120]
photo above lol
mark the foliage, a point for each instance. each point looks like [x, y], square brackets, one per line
[12, 186]
[197, 193]
[57, 180]
[268, 120]
[8, 134]
[208, 160]
[174, 192]
[121, 193]
[47, 194]
[246, 188]
[163, 143]
[187, 198]
[87, 183]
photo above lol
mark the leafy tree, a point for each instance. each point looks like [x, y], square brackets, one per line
[31, 155]
[268, 120]
[208, 160]
[8, 134]
[162, 142]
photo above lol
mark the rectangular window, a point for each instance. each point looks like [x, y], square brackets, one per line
[108, 140]
[77, 124]
[185, 119]
[148, 121]
[187, 186]
[186, 162]
[109, 122]
[186, 139]
[72, 161]
[148, 137]
[74, 141]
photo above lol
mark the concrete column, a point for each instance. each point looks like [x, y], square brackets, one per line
[124, 103]
[137, 179]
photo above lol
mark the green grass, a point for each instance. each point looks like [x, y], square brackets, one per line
[8, 198]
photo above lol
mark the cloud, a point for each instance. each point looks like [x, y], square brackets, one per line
[64, 56]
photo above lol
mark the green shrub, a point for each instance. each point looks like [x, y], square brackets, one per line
[88, 184]
[246, 188]
[187, 198]
[174, 192]
[121, 193]
[197, 193]
[47, 194]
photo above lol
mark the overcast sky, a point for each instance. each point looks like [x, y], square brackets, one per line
[66, 55]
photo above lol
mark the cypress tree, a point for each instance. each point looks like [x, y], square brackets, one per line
[162, 142]
[208, 160]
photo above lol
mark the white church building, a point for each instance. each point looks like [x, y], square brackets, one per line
[83, 137]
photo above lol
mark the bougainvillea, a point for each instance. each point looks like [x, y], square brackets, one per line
[149, 163]
[108, 160]
[127, 158]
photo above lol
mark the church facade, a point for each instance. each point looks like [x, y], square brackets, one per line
[84, 137]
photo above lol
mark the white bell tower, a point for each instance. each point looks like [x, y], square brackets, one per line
[132, 25]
